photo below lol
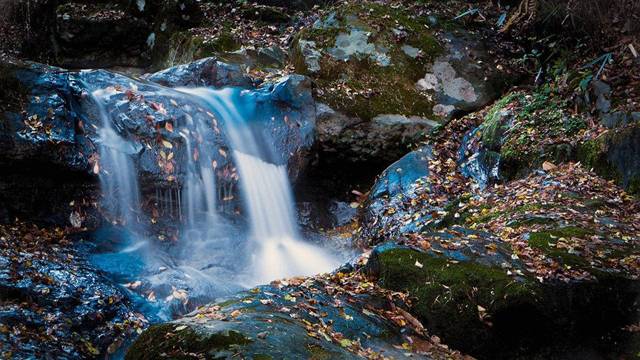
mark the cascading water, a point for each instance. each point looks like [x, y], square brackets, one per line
[277, 252]
[213, 254]
[118, 178]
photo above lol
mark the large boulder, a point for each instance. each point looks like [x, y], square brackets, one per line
[339, 316]
[51, 120]
[557, 251]
[389, 75]
[615, 155]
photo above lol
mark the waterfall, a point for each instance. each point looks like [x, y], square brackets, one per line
[278, 251]
[206, 253]
[118, 177]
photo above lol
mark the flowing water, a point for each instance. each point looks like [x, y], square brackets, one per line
[277, 250]
[118, 178]
[215, 255]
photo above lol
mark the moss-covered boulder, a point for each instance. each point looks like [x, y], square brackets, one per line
[538, 265]
[523, 130]
[369, 59]
[615, 155]
[490, 312]
[519, 133]
[340, 316]
[389, 76]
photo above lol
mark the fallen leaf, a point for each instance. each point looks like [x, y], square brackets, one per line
[167, 144]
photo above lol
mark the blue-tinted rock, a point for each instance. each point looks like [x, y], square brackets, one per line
[384, 216]
[274, 322]
[51, 119]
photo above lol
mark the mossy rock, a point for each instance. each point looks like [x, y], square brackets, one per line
[273, 322]
[487, 313]
[616, 156]
[527, 129]
[449, 293]
[182, 48]
[184, 342]
[370, 59]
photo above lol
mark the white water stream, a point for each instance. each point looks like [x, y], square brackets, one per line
[213, 256]
[278, 250]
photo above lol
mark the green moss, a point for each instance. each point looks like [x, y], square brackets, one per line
[492, 126]
[181, 47]
[361, 87]
[449, 219]
[495, 214]
[546, 241]
[185, 343]
[262, 357]
[448, 295]
[537, 118]
[319, 353]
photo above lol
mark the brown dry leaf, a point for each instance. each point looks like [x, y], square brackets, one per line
[548, 166]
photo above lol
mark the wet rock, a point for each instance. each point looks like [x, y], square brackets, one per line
[53, 121]
[203, 72]
[284, 320]
[269, 58]
[385, 205]
[54, 304]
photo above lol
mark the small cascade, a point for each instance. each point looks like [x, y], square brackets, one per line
[118, 176]
[217, 141]
[199, 189]
[269, 200]
[267, 195]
